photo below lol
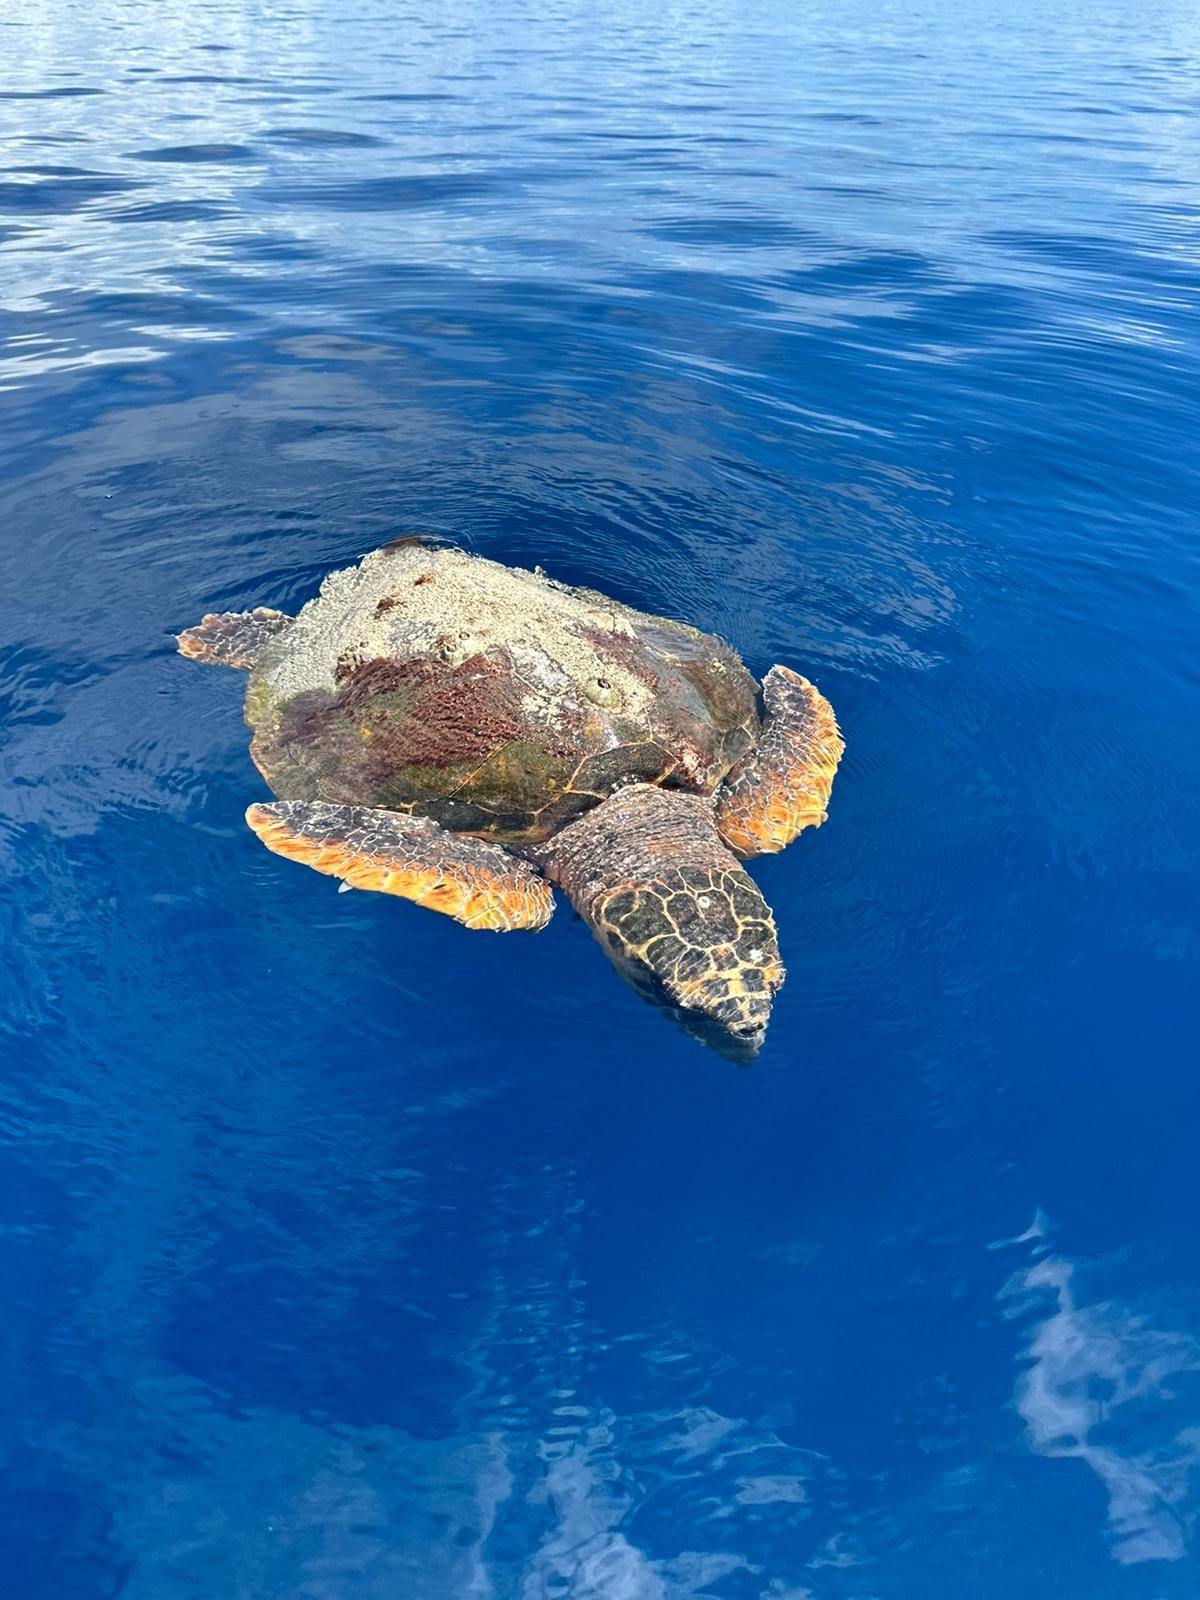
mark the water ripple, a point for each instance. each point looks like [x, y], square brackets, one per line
[346, 1252]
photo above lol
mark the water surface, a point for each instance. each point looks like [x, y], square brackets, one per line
[350, 1254]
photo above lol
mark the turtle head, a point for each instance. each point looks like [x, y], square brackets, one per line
[679, 916]
[701, 944]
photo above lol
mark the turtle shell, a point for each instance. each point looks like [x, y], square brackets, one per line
[493, 700]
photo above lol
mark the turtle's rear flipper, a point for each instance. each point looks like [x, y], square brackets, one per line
[477, 884]
[782, 786]
[232, 638]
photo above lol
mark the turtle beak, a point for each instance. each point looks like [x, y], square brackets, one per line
[743, 1043]
[734, 1027]
[731, 1019]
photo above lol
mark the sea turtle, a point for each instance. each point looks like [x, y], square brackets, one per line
[465, 734]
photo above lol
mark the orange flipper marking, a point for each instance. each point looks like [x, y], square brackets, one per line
[782, 786]
[475, 883]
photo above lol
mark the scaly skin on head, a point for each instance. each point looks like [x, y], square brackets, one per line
[677, 914]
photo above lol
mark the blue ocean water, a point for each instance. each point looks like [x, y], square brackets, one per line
[346, 1253]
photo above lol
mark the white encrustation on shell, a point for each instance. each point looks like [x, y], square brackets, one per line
[418, 599]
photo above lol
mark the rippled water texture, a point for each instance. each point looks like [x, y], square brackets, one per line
[350, 1254]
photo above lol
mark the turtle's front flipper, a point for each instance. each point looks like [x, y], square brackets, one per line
[232, 638]
[477, 884]
[679, 917]
[782, 786]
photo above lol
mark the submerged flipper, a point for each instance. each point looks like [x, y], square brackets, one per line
[232, 638]
[476, 883]
[782, 786]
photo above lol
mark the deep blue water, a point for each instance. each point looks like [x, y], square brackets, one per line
[348, 1255]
